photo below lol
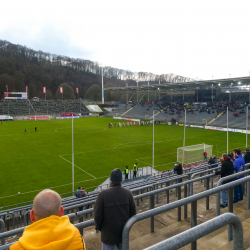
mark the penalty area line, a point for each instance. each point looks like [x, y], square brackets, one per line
[78, 167]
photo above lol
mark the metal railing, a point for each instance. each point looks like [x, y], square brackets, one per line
[203, 229]
[177, 204]
[230, 193]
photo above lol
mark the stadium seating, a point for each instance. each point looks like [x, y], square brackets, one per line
[166, 225]
[49, 107]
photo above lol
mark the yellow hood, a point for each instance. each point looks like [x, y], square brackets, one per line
[51, 233]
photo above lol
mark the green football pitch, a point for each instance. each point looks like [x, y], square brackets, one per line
[35, 160]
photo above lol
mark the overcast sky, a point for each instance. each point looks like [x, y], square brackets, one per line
[197, 38]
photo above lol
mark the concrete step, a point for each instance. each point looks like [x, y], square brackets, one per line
[219, 238]
[159, 235]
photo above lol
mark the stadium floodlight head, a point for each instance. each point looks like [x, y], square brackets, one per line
[239, 83]
[219, 84]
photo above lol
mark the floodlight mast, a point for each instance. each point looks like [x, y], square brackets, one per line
[153, 150]
[73, 184]
[246, 125]
[184, 137]
[102, 88]
[227, 130]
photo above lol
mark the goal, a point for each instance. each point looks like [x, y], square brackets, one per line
[194, 153]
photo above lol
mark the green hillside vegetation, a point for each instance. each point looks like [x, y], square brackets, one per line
[34, 161]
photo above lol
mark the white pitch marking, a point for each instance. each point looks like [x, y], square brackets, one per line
[53, 187]
[142, 161]
[78, 167]
[122, 147]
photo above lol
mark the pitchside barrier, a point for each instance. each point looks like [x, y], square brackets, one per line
[243, 131]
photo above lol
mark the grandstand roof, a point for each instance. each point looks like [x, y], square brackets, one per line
[229, 83]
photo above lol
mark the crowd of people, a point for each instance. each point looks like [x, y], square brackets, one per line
[128, 124]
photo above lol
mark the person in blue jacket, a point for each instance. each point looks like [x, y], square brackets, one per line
[239, 165]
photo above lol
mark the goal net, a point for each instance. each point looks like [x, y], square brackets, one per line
[194, 153]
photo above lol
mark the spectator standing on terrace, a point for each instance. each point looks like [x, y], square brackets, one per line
[135, 170]
[227, 168]
[126, 173]
[239, 165]
[247, 156]
[49, 230]
[113, 207]
[80, 193]
[205, 156]
[178, 169]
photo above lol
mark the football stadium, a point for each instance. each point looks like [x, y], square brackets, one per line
[127, 156]
[66, 144]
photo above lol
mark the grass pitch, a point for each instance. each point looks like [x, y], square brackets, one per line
[35, 160]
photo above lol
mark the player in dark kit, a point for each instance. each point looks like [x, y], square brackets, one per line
[35, 129]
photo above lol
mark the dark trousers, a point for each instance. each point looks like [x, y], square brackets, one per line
[238, 192]
[126, 176]
[134, 174]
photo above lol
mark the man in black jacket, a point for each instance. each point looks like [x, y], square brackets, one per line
[247, 156]
[113, 207]
[227, 168]
[178, 170]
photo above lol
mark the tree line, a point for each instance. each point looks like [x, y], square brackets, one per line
[21, 66]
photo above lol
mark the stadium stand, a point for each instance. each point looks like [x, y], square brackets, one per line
[213, 115]
[49, 107]
[163, 190]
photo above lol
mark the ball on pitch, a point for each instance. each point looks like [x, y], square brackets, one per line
[18, 192]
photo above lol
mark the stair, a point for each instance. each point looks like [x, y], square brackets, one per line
[214, 119]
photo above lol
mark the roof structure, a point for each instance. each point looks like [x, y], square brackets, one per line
[231, 84]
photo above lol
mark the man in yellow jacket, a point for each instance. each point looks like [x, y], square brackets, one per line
[49, 230]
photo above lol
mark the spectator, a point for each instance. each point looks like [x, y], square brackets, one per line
[135, 170]
[80, 193]
[247, 156]
[113, 207]
[205, 156]
[49, 230]
[126, 173]
[227, 168]
[178, 169]
[239, 165]
[214, 161]
[210, 162]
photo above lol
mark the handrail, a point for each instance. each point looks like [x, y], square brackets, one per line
[80, 213]
[2, 225]
[229, 177]
[205, 171]
[192, 199]
[203, 229]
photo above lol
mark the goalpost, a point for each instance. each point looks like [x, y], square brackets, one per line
[194, 153]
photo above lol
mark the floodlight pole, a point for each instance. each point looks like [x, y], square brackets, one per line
[137, 91]
[102, 88]
[227, 130]
[246, 125]
[73, 188]
[153, 150]
[212, 94]
[184, 137]
[148, 93]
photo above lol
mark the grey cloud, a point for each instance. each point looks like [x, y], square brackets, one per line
[48, 39]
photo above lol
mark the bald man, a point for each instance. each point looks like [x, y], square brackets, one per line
[49, 230]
